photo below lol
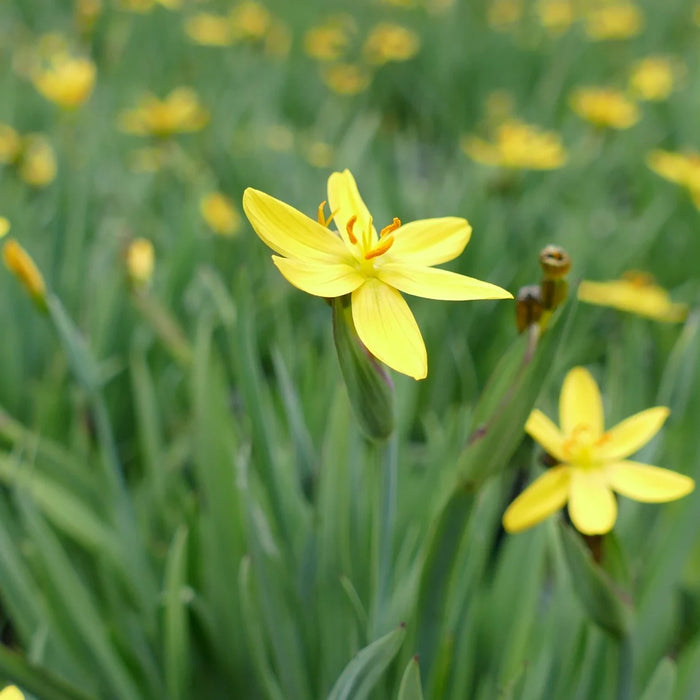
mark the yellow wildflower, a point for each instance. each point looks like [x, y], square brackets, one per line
[10, 144]
[680, 168]
[143, 6]
[502, 14]
[635, 292]
[179, 112]
[319, 154]
[347, 78]
[372, 267]
[390, 42]
[37, 166]
[20, 264]
[653, 78]
[615, 21]
[556, 16]
[4, 226]
[250, 20]
[592, 462]
[605, 107]
[517, 145]
[328, 41]
[220, 214]
[67, 80]
[11, 692]
[140, 261]
[209, 29]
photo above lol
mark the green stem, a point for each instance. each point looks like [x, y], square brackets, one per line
[625, 668]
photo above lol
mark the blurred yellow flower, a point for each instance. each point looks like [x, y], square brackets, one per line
[592, 462]
[653, 78]
[390, 42]
[10, 144]
[87, 13]
[220, 214]
[4, 229]
[372, 267]
[143, 6]
[180, 112]
[680, 168]
[250, 20]
[66, 80]
[621, 20]
[556, 16]
[11, 692]
[37, 165]
[140, 261]
[346, 78]
[20, 264]
[328, 41]
[517, 145]
[635, 292]
[503, 14]
[605, 107]
[319, 154]
[209, 29]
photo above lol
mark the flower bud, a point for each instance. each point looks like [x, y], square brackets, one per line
[528, 307]
[18, 261]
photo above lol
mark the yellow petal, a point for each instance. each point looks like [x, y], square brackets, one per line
[291, 233]
[543, 430]
[427, 282]
[388, 329]
[430, 241]
[632, 433]
[345, 201]
[544, 496]
[648, 484]
[580, 403]
[320, 279]
[592, 506]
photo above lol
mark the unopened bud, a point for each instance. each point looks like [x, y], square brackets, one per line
[140, 261]
[555, 262]
[18, 261]
[528, 307]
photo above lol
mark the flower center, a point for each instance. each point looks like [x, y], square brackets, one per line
[581, 445]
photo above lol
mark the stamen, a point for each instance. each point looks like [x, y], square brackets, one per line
[348, 228]
[396, 223]
[383, 246]
[320, 215]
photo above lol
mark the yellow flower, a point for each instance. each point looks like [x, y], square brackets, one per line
[681, 168]
[605, 107]
[250, 20]
[4, 226]
[319, 154]
[347, 78]
[592, 462]
[143, 6]
[140, 261]
[20, 264]
[517, 145]
[653, 78]
[87, 13]
[37, 166]
[328, 41]
[616, 21]
[10, 144]
[390, 42]
[635, 292]
[372, 267]
[67, 80]
[502, 14]
[11, 692]
[209, 29]
[556, 15]
[220, 214]
[179, 112]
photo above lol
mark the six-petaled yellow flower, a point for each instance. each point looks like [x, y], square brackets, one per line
[592, 462]
[373, 267]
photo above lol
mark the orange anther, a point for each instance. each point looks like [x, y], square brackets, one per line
[396, 223]
[383, 246]
[320, 215]
[349, 227]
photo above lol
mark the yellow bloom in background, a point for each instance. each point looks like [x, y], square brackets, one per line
[635, 292]
[346, 78]
[390, 42]
[209, 30]
[37, 165]
[180, 112]
[653, 78]
[329, 41]
[11, 692]
[592, 462]
[86, 14]
[680, 168]
[144, 6]
[10, 144]
[220, 214]
[517, 145]
[319, 154]
[250, 20]
[605, 107]
[556, 16]
[614, 21]
[140, 261]
[66, 80]
[503, 14]
[372, 267]
[20, 264]
[4, 226]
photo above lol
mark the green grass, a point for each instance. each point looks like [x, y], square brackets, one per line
[188, 506]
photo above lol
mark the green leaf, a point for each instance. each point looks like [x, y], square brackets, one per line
[410, 688]
[662, 682]
[365, 670]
